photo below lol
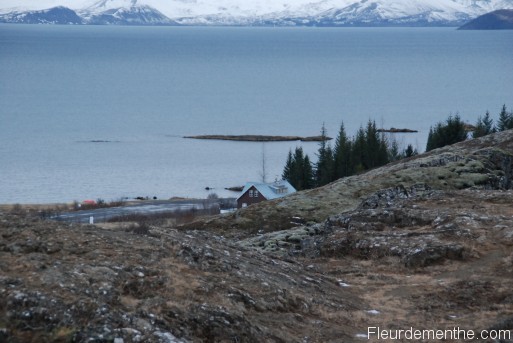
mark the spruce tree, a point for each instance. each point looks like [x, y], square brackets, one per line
[371, 147]
[287, 170]
[297, 169]
[431, 140]
[393, 151]
[409, 151]
[455, 130]
[505, 120]
[342, 154]
[488, 123]
[307, 174]
[484, 126]
[324, 165]
[383, 153]
[451, 132]
[375, 149]
[357, 152]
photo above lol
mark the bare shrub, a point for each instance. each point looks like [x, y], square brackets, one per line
[212, 196]
[160, 219]
[140, 228]
[17, 209]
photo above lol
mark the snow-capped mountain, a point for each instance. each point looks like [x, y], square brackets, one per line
[133, 15]
[255, 12]
[54, 15]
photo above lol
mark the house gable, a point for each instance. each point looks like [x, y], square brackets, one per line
[252, 195]
[255, 192]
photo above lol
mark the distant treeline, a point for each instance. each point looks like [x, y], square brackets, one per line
[369, 149]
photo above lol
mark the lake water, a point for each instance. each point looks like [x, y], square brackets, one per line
[143, 88]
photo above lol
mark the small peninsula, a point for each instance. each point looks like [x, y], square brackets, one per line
[395, 130]
[261, 138]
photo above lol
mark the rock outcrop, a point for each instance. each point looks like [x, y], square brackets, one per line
[72, 283]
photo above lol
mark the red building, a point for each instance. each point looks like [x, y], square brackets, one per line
[255, 192]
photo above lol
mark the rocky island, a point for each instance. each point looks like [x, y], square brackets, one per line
[396, 130]
[261, 138]
[423, 243]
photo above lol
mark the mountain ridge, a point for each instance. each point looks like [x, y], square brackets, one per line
[259, 13]
[496, 20]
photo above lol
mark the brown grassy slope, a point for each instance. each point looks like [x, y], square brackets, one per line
[485, 162]
[80, 283]
[434, 261]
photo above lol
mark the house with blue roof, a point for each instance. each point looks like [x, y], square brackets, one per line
[255, 192]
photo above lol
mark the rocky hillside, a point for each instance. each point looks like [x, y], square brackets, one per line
[485, 163]
[423, 243]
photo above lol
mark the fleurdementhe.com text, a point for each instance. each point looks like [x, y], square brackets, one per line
[456, 333]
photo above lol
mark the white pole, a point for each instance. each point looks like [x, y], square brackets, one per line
[91, 220]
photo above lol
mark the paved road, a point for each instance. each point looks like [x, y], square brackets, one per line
[147, 207]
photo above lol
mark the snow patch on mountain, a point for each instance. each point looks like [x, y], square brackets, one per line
[124, 13]
[267, 12]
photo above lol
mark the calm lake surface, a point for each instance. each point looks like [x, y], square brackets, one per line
[140, 89]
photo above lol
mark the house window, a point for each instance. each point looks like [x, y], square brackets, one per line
[256, 194]
[251, 193]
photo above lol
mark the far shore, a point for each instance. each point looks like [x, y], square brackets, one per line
[71, 205]
[261, 138]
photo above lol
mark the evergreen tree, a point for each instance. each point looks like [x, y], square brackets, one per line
[451, 132]
[431, 141]
[383, 152]
[409, 151]
[505, 120]
[484, 126]
[488, 123]
[371, 146]
[298, 170]
[342, 154]
[393, 151]
[357, 152]
[324, 165]
[455, 130]
[287, 170]
[375, 149]
[307, 173]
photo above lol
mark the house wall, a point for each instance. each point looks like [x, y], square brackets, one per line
[246, 199]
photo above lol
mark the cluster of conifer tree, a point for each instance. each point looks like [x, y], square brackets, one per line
[453, 130]
[370, 149]
[366, 150]
[484, 125]
[450, 132]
